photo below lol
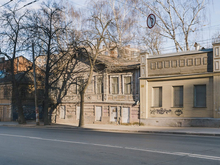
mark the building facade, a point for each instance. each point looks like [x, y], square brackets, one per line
[181, 89]
[25, 81]
[112, 96]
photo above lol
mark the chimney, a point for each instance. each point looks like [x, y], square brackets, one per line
[197, 46]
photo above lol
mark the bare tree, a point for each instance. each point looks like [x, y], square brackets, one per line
[51, 29]
[124, 21]
[176, 19]
[12, 41]
[152, 41]
[95, 35]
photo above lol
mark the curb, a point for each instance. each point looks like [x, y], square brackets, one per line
[114, 130]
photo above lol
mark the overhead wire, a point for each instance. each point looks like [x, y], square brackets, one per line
[6, 3]
[27, 5]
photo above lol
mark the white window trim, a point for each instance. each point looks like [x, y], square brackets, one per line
[110, 81]
[216, 51]
[64, 112]
[123, 89]
[101, 111]
[95, 83]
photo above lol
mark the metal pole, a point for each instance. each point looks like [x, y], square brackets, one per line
[35, 87]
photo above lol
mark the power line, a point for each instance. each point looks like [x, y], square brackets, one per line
[6, 3]
[27, 5]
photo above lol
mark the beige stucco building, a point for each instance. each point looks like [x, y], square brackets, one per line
[181, 89]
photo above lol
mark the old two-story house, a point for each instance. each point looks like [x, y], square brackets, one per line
[112, 96]
[8, 111]
[181, 89]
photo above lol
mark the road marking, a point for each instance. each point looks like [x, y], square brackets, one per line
[126, 148]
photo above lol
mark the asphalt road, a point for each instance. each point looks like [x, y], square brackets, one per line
[40, 146]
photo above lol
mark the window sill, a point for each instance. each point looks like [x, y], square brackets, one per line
[199, 107]
[156, 107]
[176, 107]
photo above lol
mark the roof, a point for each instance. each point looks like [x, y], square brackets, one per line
[27, 78]
[181, 53]
[116, 64]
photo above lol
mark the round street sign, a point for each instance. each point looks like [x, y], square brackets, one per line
[151, 21]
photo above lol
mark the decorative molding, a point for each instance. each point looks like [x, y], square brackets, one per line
[166, 64]
[190, 62]
[174, 63]
[182, 63]
[198, 61]
[217, 65]
[204, 60]
[159, 65]
[153, 65]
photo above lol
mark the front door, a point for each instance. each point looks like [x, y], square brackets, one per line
[125, 115]
[113, 115]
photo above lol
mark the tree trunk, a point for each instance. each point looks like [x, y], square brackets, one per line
[18, 103]
[81, 118]
[46, 99]
[16, 96]
[46, 106]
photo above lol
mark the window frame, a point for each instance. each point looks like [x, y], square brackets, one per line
[160, 100]
[96, 84]
[123, 84]
[173, 94]
[64, 112]
[194, 96]
[216, 51]
[118, 87]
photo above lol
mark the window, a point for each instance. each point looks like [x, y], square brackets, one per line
[200, 96]
[98, 84]
[216, 51]
[62, 111]
[127, 85]
[114, 82]
[157, 97]
[178, 96]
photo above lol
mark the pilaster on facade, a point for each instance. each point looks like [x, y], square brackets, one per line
[216, 57]
[216, 80]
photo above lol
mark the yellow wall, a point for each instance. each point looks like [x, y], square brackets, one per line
[188, 108]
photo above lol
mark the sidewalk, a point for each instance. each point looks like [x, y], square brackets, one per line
[125, 129]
